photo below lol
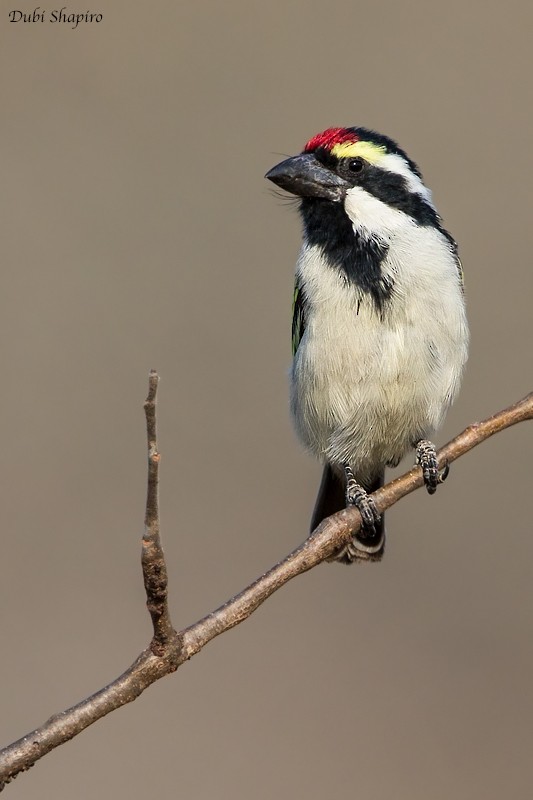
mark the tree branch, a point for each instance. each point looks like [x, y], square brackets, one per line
[169, 649]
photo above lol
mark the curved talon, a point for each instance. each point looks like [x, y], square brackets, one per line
[444, 473]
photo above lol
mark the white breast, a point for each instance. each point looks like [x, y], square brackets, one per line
[366, 386]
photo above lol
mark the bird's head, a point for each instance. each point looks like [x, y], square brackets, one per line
[364, 172]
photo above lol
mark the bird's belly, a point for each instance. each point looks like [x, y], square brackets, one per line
[364, 391]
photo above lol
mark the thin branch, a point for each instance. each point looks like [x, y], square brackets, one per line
[153, 559]
[168, 649]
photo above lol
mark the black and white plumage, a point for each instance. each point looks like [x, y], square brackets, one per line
[380, 335]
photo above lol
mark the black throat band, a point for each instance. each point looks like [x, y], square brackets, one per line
[327, 226]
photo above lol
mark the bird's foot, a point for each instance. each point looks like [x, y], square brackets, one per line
[426, 457]
[368, 543]
[358, 497]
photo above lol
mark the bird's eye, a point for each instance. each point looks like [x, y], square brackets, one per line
[356, 165]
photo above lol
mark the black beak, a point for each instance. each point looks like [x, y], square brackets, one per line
[305, 176]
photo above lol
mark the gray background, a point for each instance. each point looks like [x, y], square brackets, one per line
[138, 232]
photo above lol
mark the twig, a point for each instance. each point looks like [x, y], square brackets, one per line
[161, 657]
[168, 649]
[153, 559]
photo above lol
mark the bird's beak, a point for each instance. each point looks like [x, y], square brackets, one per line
[305, 176]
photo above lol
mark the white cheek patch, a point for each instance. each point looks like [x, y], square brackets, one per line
[368, 213]
[395, 163]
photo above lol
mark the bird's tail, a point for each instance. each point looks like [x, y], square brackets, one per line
[332, 498]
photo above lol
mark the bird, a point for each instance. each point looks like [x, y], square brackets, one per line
[379, 328]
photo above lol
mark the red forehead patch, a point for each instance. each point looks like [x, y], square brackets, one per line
[330, 137]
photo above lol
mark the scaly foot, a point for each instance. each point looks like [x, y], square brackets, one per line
[357, 496]
[426, 457]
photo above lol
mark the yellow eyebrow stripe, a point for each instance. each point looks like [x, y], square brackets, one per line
[367, 150]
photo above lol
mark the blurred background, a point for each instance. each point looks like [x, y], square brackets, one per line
[138, 232]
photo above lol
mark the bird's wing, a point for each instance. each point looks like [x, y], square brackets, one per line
[455, 252]
[461, 272]
[298, 316]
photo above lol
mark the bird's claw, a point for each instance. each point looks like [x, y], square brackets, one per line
[426, 457]
[369, 542]
[358, 497]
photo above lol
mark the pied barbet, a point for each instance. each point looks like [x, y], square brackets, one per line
[379, 330]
